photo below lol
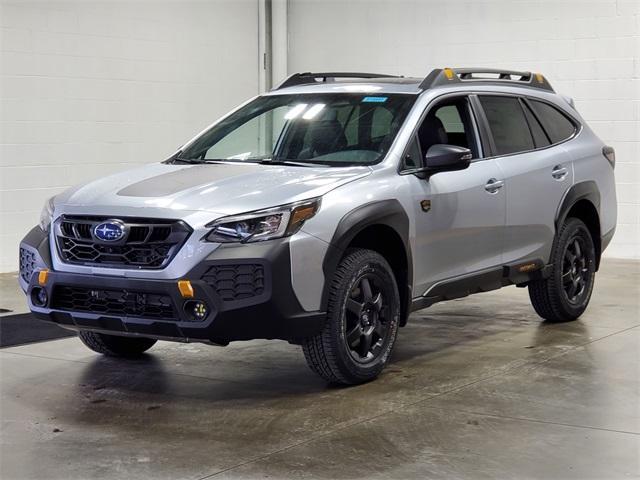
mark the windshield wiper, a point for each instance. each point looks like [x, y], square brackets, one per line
[261, 161]
[278, 161]
[187, 160]
[198, 161]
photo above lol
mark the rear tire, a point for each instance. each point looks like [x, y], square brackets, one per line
[116, 346]
[565, 295]
[363, 315]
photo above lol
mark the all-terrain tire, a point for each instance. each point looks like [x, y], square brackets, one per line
[116, 346]
[552, 297]
[330, 354]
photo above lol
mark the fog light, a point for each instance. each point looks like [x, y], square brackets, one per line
[196, 310]
[39, 297]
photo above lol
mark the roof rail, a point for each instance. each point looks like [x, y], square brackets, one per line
[447, 76]
[310, 77]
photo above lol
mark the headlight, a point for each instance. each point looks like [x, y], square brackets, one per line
[263, 224]
[46, 216]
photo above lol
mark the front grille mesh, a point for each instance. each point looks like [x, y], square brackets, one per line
[150, 243]
[236, 282]
[117, 302]
[27, 264]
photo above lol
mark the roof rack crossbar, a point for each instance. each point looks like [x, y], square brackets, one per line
[312, 77]
[447, 76]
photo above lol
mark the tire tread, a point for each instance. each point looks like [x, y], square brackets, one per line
[545, 294]
[115, 346]
[318, 350]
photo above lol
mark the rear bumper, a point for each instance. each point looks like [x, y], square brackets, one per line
[117, 305]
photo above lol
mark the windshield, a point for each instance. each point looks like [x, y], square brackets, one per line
[329, 129]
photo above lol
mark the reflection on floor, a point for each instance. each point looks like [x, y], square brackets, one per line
[478, 388]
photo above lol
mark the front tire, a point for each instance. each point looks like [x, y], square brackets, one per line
[565, 295]
[116, 346]
[363, 315]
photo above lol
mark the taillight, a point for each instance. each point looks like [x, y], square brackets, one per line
[610, 154]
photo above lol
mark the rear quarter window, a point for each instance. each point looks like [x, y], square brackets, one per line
[540, 138]
[555, 123]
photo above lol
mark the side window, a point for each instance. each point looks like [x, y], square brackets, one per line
[412, 158]
[448, 122]
[539, 137]
[450, 118]
[557, 125]
[508, 124]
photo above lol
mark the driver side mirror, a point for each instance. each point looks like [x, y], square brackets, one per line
[442, 158]
[446, 158]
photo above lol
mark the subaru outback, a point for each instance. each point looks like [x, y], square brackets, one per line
[327, 210]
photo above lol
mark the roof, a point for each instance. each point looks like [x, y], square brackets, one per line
[319, 82]
[371, 85]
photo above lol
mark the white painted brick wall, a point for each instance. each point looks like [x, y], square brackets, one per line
[88, 88]
[589, 50]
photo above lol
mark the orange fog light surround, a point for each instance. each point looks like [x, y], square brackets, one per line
[186, 289]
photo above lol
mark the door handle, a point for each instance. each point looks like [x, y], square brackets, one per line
[559, 172]
[493, 185]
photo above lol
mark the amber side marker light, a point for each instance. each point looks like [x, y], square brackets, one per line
[299, 215]
[43, 275]
[449, 73]
[528, 267]
[186, 289]
[302, 214]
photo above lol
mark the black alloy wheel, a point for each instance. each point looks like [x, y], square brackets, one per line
[367, 319]
[575, 269]
[363, 315]
[565, 294]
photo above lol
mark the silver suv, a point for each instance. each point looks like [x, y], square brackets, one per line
[327, 210]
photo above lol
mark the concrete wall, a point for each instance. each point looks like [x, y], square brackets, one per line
[588, 50]
[91, 87]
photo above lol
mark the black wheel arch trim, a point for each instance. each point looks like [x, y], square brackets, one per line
[587, 190]
[389, 213]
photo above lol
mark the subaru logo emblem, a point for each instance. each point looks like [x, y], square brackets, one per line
[110, 231]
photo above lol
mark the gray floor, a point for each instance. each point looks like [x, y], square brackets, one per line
[478, 388]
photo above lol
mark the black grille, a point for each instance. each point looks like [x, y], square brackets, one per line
[27, 264]
[236, 282]
[121, 303]
[150, 243]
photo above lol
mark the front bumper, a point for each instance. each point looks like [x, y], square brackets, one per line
[265, 307]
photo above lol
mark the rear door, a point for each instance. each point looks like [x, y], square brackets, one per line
[538, 171]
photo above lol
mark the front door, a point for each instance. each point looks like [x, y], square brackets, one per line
[459, 215]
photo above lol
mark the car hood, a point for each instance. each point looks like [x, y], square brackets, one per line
[223, 189]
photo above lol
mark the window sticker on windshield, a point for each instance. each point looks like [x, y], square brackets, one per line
[374, 99]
